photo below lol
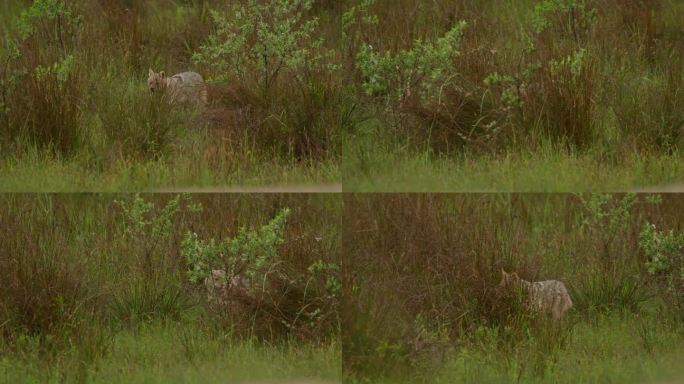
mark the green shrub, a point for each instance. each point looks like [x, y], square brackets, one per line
[262, 41]
[572, 17]
[665, 262]
[663, 249]
[425, 69]
[608, 212]
[552, 91]
[285, 300]
[252, 252]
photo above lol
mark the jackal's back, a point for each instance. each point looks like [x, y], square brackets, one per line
[550, 296]
[187, 87]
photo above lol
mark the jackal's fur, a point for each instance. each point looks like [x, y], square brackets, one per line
[183, 88]
[549, 297]
[220, 287]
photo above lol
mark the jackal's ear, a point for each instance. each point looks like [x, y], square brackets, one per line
[162, 74]
[151, 72]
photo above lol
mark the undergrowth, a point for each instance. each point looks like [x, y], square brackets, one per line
[429, 306]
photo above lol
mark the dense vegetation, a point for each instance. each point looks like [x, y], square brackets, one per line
[74, 103]
[422, 302]
[533, 95]
[417, 95]
[106, 288]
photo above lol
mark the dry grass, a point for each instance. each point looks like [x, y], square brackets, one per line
[423, 273]
[67, 269]
[100, 116]
[552, 102]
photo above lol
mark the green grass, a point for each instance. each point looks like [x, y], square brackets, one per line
[41, 172]
[612, 125]
[539, 171]
[96, 127]
[604, 349]
[612, 121]
[427, 306]
[176, 353]
[92, 293]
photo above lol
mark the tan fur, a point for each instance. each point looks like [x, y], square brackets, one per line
[181, 88]
[549, 297]
[220, 287]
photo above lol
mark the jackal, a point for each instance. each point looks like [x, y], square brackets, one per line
[185, 87]
[220, 286]
[549, 297]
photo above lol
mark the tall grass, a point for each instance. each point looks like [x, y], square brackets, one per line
[92, 109]
[558, 66]
[423, 297]
[80, 275]
[596, 80]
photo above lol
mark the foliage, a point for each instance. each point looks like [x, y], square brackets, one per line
[573, 63]
[54, 20]
[148, 230]
[140, 220]
[663, 250]
[330, 271]
[270, 38]
[607, 212]
[425, 69]
[252, 252]
[570, 15]
[259, 285]
[510, 94]
[358, 14]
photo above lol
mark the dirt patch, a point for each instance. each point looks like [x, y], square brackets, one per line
[294, 188]
[670, 188]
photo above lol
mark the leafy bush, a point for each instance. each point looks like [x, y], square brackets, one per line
[329, 272]
[261, 41]
[607, 212]
[258, 284]
[271, 46]
[422, 90]
[140, 221]
[572, 17]
[355, 20]
[665, 262]
[54, 20]
[252, 252]
[663, 249]
[425, 69]
[552, 89]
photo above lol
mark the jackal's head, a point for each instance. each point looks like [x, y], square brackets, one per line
[217, 279]
[155, 81]
[509, 279]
